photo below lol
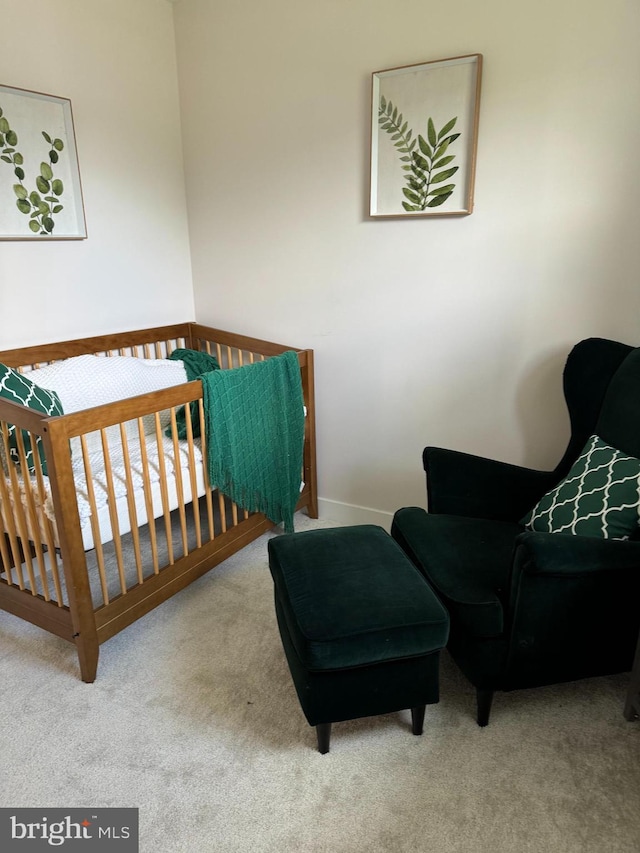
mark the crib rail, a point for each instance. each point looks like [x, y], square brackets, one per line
[155, 342]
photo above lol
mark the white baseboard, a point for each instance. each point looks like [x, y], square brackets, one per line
[347, 514]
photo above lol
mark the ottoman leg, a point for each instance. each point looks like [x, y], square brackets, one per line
[323, 733]
[417, 719]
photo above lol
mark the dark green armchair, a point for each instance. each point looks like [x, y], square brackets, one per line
[530, 607]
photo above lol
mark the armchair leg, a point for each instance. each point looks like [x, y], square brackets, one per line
[484, 699]
[323, 733]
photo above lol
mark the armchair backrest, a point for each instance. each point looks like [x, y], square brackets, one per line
[619, 421]
[596, 402]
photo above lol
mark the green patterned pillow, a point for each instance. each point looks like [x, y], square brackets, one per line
[17, 388]
[600, 496]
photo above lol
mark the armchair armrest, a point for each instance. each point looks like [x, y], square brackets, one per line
[463, 484]
[559, 554]
[572, 608]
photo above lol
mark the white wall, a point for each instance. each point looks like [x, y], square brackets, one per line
[448, 331]
[439, 331]
[115, 60]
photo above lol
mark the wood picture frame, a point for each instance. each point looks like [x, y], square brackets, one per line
[40, 189]
[424, 136]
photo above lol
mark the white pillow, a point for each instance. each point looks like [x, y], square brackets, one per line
[84, 381]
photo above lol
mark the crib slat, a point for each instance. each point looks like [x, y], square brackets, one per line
[113, 512]
[14, 560]
[193, 477]
[33, 519]
[177, 471]
[19, 513]
[50, 537]
[5, 506]
[148, 499]
[55, 573]
[4, 556]
[223, 512]
[208, 490]
[163, 488]
[95, 524]
[131, 503]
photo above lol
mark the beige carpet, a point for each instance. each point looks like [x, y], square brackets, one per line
[194, 720]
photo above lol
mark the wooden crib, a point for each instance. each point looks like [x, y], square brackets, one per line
[85, 572]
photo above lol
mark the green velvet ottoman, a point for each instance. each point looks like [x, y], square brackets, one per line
[361, 629]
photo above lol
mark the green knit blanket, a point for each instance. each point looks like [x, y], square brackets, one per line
[195, 364]
[254, 429]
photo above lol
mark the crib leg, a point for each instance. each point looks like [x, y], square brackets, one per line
[88, 653]
[83, 618]
[312, 508]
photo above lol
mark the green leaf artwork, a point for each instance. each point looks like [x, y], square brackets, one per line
[421, 158]
[41, 211]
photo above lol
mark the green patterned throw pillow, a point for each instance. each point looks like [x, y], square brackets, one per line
[600, 496]
[17, 388]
